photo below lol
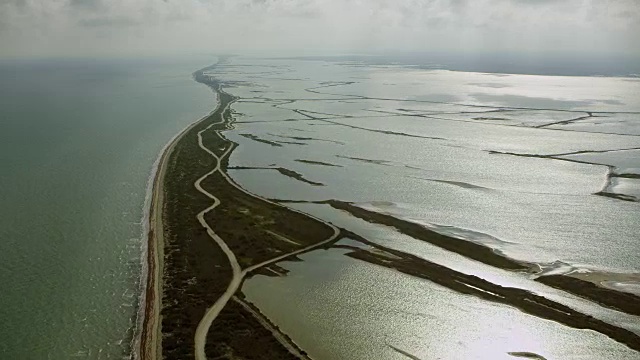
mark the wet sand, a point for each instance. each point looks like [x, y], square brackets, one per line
[151, 336]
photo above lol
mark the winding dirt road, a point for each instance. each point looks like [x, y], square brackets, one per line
[238, 275]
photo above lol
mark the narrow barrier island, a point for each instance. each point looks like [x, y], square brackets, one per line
[196, 272]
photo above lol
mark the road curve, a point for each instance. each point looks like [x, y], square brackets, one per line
[238, 275]
[205, 323]
[149, 346]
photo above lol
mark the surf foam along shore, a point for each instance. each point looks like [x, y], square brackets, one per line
[146, 343]
[196, 262]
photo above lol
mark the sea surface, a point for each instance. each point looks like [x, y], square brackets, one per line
[520, 163]
[78, 139]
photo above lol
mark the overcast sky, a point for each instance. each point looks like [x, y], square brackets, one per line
[130, 27]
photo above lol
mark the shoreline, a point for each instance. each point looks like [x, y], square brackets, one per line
[204, 266]
[148, 341]
[219, 178]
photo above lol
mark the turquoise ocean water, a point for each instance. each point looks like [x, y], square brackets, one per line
[78, 140]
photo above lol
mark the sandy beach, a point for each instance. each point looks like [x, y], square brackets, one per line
[191, 285]
[151, 334]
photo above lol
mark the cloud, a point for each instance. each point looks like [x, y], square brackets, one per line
[86, 4]
[539, 2]
[107, 21]
[86, 27]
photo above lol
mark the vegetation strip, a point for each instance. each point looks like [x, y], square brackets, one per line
[618, 300]
[621, 301]
[466, 248]
[524, 300]
[284, 171]
[197, 273]
[315, 162]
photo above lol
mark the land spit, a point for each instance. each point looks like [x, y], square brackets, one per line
[195, 271]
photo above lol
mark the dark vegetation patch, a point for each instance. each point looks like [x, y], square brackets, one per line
[196, 272]
[258, 139]
[191, 283]
[622, 197]
[236, 334]
[455, 183]
[246, 223]
[386, 132]
[370, 161]
[627, 175]
[618, 300]
[490, 118]
[290, 142]
[314, 162]
[306, 138]
[527, 355]
[521, 299]
[284, 171]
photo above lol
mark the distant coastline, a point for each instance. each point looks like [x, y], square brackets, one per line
[147, 342]
[568, 64]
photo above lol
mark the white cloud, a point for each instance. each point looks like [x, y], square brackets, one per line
[86, 27]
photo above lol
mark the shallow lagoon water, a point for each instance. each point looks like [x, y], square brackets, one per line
[443, 171]
[391, 238]
[442, 149]
[544, 205]
[336, 307]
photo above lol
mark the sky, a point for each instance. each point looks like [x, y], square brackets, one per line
[45, 28]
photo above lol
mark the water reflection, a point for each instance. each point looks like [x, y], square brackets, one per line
[432, 163]
[341, 308]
